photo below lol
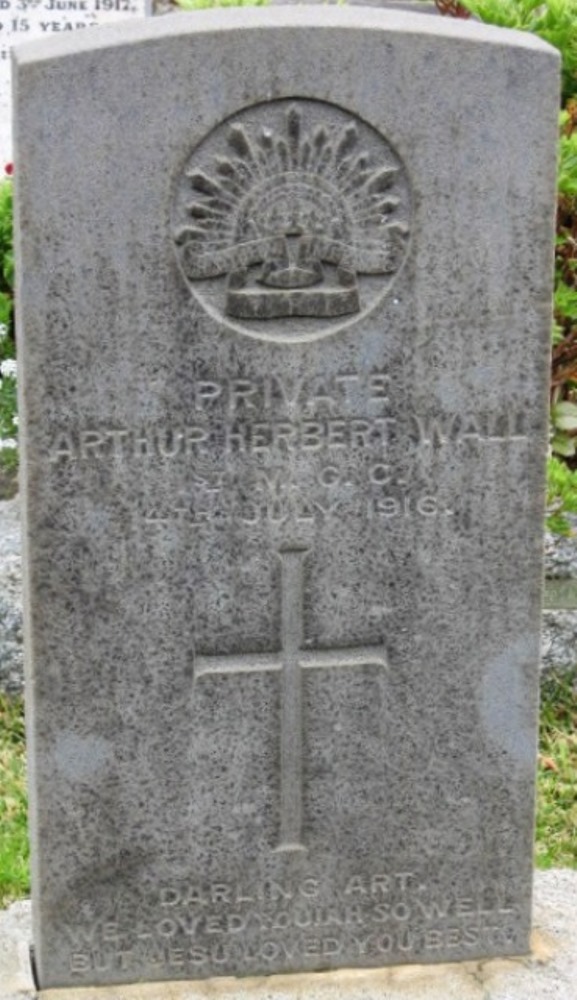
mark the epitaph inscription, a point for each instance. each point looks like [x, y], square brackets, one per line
[291, 210]
[370, 916]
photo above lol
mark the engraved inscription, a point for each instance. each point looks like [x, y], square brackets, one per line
[239, 437]
[284, 211]
[280, 437]
[313, 950]
[360, 456]
[380, 917]
[275, 417]
[290, 661]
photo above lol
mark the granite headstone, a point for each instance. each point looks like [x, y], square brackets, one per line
[284, 313]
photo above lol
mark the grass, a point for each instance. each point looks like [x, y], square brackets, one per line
[14, 877]
[556, 838]
[556, 844]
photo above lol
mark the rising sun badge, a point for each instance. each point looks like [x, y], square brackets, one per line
[293, 215]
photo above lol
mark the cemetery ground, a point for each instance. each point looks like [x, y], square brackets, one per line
[556, 822]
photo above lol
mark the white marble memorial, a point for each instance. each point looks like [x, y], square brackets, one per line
[21, 20]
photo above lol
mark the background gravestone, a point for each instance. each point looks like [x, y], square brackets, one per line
[284, 351]
[21, 20]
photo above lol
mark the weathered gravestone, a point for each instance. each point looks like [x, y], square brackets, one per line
[284, 311]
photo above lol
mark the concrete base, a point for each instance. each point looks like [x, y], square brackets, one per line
[549, 973]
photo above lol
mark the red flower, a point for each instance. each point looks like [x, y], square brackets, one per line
[9, 169]
[453, 8]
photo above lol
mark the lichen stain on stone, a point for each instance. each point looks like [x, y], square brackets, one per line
[79, 758]
[543, 947]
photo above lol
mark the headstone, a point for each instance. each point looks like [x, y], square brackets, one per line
[21, 20]
[284, 317]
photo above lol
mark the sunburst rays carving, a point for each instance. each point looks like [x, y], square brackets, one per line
[293, 211]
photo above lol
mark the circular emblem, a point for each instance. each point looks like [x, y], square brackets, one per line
[291, 219]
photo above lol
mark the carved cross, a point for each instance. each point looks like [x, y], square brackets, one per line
[290, 662]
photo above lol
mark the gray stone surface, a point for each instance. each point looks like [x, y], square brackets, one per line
[559, 621]
[283, 328]
[559, 641]
[548, 973]
[16, 978]
[561, 553]
[559, 632]
[559, 624]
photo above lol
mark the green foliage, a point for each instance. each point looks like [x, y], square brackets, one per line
[8, 403]
[567, 172]
[565, 300]
[6, 250]
[518, 14]
[8, 406]
[205, 4]
[14, 877]
[556, 833]
[564, 355]
[561, 496]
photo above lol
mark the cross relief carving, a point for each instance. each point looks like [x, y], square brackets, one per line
[292, 658]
